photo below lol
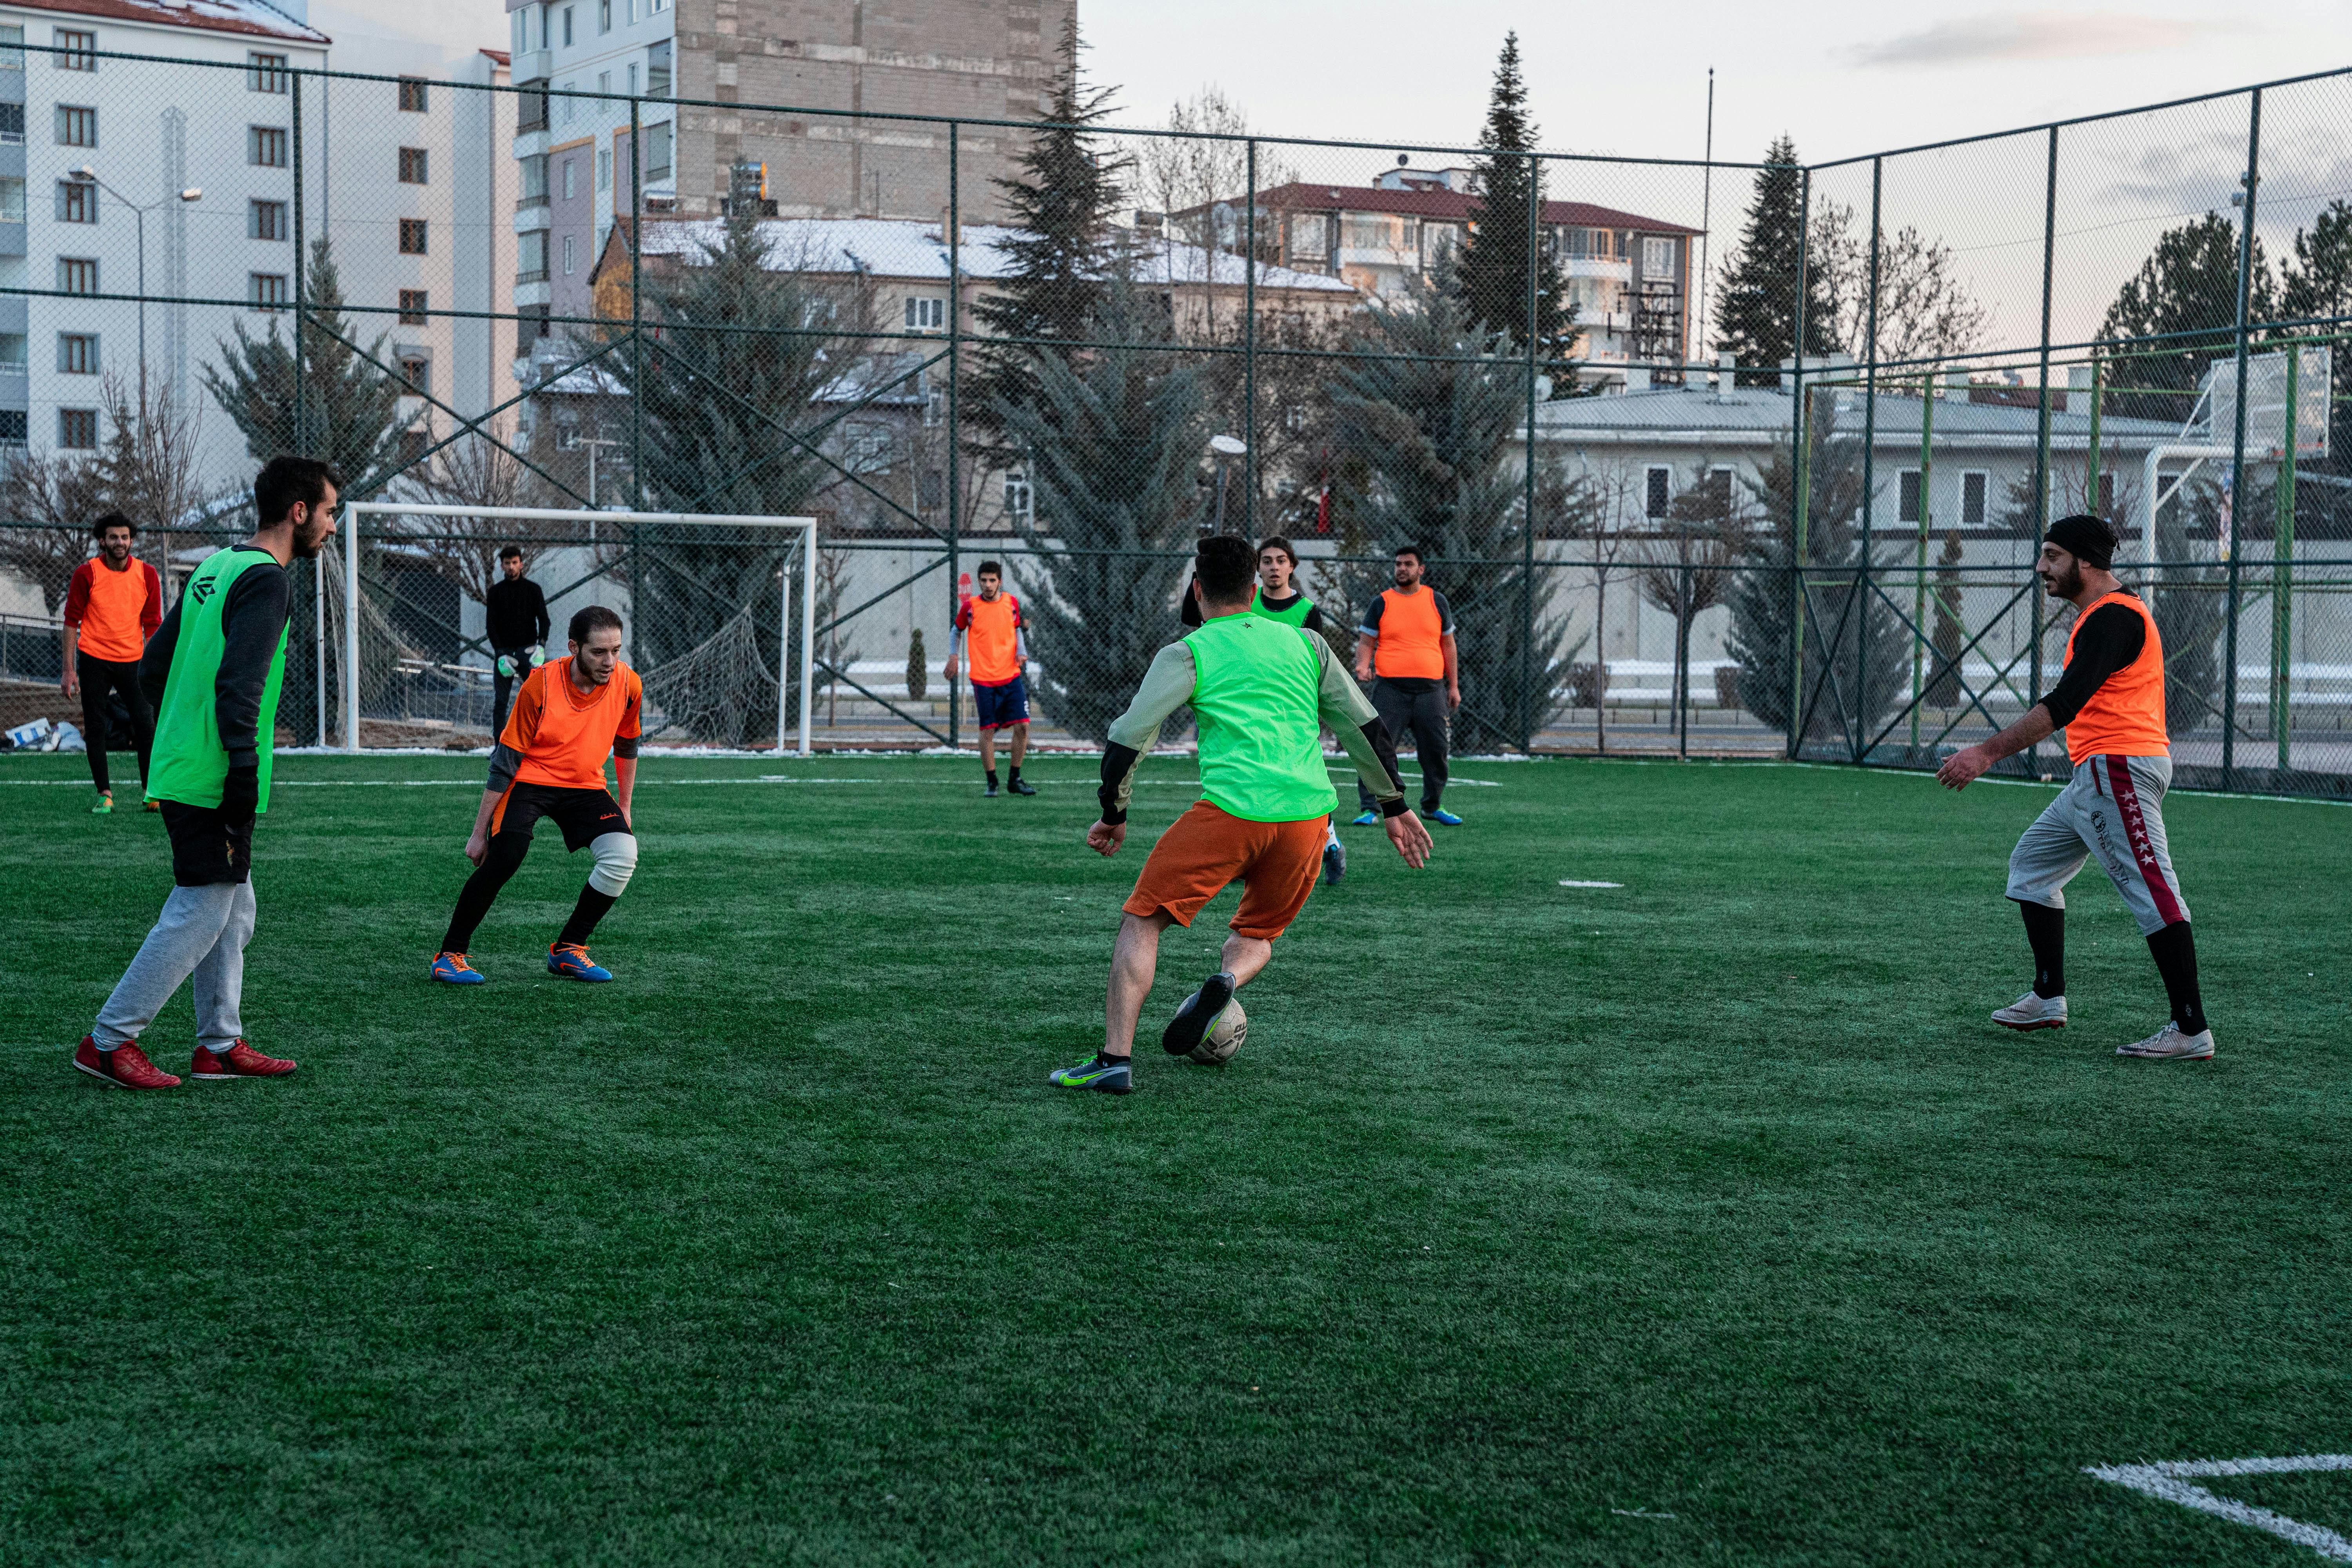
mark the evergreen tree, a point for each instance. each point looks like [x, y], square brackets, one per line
[1060, 257]
[1113, 439]
[1756, 304]
[351, 409]
[2188, 286]
[1431, 429]
[1492, 273]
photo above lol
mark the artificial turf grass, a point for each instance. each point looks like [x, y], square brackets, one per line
[1713, 1195]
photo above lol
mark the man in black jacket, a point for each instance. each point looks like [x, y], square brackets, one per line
[518, 628]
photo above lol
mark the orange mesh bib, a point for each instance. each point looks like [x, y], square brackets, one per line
[2124, 717]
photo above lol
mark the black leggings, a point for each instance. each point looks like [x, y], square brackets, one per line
[1423, 715]
[100, 679]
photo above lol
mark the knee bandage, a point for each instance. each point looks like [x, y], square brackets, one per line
[616, 860]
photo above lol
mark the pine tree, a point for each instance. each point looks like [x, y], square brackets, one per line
[2185, 296]
[1756, 304]
[351, 408]
[1493, 272]
[1060, 258]
[1431, 430]
[1113, 438]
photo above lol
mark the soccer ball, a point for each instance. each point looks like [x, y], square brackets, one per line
[1225, 1037]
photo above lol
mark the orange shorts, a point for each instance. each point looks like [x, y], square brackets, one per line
[1207, 847]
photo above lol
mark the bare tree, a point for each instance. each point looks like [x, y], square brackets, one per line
[1925, 311]
[1689, 562]
[475, 470]
[1610, 518]
[150, 465]
[1201, 180]
[47, 501]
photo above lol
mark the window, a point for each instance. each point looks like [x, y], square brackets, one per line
[632, 79]
[531, 256]
[657, 60]
[265, 146]
[12, 201]
[1907, 496]
[11, 124]
[1657, 494]
[1019, 499]
[412, 95]
[76, 202]
[926, 315]
[74, 50]
[412, 237]
[2106, 502]
[76, 127]
[12, 47]
[12, 353]
[604, 81]
[265, 220]
[1972, 497]
[77, 430]
[569, 164]
[531, 106]
[933, 493]
[265, 73]
[414, 304]
[571, 262]
[412, 166]
[265, 288]
[14, 429]
[1658, 258]
[567, 26]
[77, 274]
[603, 168]
[604, 15]
[657, 150]
[534, 181]
[412, 445]
[77, 353]
[530, 326]
[1715, 490]
[570, 104]
[415, 369]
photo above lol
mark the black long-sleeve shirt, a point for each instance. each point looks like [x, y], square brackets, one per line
[253, 618]
[516, 612]
[2109, 639]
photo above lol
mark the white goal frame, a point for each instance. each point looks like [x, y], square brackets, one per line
[356, 512]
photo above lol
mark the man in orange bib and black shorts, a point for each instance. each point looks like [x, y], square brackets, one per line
[1404, 651]
[992, 626]
[2110, 702]
[113, 604]
[571, 715]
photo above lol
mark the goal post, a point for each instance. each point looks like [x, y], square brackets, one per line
[792, 540]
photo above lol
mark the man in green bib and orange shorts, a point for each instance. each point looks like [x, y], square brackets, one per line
[1261, 693]
[213, 671]
[2110, 702]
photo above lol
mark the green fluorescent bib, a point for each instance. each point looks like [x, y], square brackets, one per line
[1256, 694]
[1294, 617]
[189, 764]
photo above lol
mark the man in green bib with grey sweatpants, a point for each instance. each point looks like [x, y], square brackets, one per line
[214, 672]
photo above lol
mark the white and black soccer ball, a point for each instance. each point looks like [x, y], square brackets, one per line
[1225, 1037]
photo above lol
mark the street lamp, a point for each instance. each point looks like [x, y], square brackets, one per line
[1226, 447]
[193, 193]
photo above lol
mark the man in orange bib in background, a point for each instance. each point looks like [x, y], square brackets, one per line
[2110, 702]
[571, 715]
[1404, 653]
[113, 604]
[992, 625]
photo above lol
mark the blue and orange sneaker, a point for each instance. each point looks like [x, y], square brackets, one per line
[451, 969]
[571, 959]
[1104, 1075]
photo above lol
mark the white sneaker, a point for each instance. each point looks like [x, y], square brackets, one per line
[2032, 1012]
[2168, 1043]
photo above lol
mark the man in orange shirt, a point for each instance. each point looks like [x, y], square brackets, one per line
[992, 624]
[1406, 640]
[113, 604]
[2110, 702]
[571, 715]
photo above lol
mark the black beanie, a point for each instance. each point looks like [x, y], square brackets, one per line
[2089, 540]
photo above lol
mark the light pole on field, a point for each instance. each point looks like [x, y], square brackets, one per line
[193, 194]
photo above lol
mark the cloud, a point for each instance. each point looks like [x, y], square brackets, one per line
[2020, 35]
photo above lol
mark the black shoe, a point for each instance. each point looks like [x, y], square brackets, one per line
[1104, 1075]
[1198, 1013]
[1022, 786]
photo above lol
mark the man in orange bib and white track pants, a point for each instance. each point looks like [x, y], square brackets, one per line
[2110, 702]
[571, 715]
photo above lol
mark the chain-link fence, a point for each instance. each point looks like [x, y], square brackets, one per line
[1741, 456]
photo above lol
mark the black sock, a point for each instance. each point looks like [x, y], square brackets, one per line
[2175, 952]
[991, 778]
[1015, 773]
[474, 898]
[2045, 928]
[584, 916]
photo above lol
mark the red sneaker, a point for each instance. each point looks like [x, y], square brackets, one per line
[124, 1067]
[240, 1060]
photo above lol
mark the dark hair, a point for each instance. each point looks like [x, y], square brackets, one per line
[112, 520]
[283, 482]
[595, 617]
[511, 553]
[1227, 567]
[988, 568]
[1414, 551]
[1276, 542]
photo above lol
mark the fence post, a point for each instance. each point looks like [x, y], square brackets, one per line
[1249, 337]
[954, 237]
[1799, 478]
[2041, 508]
[1527, 494]
[1919, 582]
[301, 433]
[2282, 569]
[2238, 439]
[1864, 718]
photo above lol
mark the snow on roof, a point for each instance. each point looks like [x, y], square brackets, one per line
[1698, 411]
[907, 248]
[251, 17]
[1436, 202]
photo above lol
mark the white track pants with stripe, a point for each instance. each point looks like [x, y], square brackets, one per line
[2112, 808]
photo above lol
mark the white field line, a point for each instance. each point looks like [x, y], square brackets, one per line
[1572, 882]
[2169, 1482]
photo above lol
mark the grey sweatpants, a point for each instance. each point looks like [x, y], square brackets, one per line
[2113, 808]
[202, 932]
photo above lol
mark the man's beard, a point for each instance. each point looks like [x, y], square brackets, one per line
[307, 545]
[2069, 585]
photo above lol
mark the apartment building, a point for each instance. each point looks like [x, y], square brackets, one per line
[784, 62]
